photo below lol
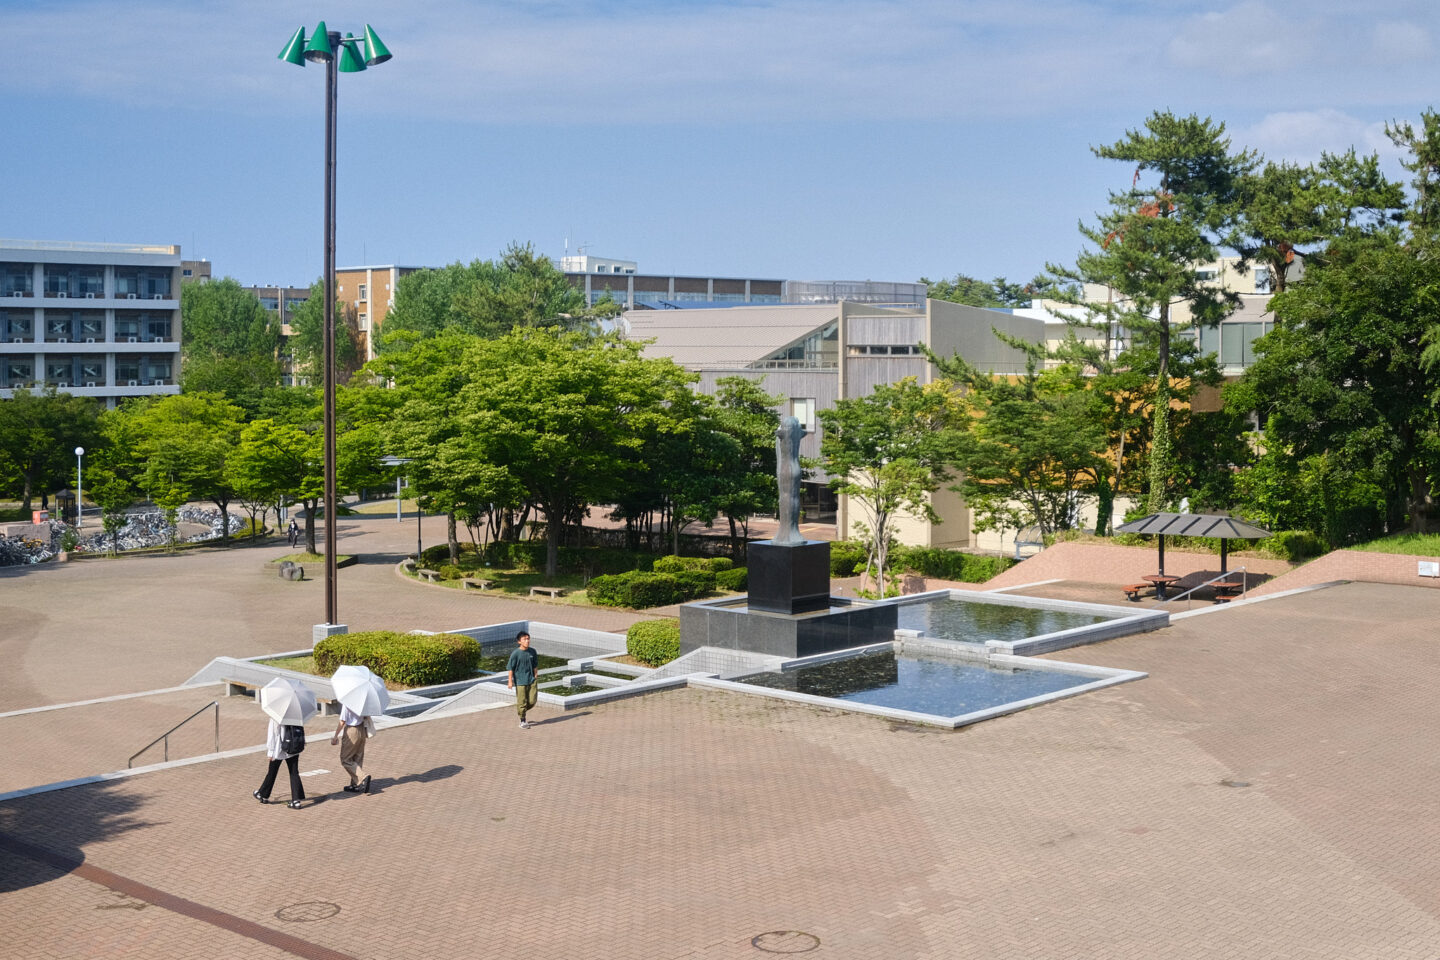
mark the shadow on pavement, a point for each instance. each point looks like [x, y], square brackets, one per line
[42, 838]
[439, 773]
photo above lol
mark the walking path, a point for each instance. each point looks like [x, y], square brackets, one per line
[1268, 791]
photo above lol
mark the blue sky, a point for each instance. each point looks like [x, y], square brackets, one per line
[800, 139]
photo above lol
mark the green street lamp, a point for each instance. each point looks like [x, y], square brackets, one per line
[343, 55]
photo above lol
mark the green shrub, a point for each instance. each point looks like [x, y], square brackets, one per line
[655, 590]
[736, 578]
[951, 564]
[683, 564]
[846, 558]
[451, 572]
[654, 642]
[639, 589]
[1293, 545]
[249, 527]
[412, 659]
[697, 583]
[530, 555]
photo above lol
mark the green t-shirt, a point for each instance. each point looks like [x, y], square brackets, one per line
[522, 663]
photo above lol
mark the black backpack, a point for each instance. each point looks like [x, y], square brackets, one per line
[292, 738]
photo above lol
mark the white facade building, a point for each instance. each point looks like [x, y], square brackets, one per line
[92, 319]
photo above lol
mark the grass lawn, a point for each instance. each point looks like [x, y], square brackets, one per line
[302, 557]
[1418, 544]
[517, 583]
[305, 664]
[383, 508]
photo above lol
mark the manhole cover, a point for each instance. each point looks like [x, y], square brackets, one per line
[307, 912]
[785, 941]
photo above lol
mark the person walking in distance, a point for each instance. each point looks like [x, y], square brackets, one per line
[293, 532]
[351, 735]
[521, 669]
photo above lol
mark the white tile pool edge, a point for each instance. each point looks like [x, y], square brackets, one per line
[1120, 622]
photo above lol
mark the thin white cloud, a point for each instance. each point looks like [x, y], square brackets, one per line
[725, 61]
[1301, 136]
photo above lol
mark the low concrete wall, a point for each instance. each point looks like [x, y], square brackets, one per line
[1400, 568]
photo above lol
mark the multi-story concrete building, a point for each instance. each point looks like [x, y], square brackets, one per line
[92, 319]
[813, 354]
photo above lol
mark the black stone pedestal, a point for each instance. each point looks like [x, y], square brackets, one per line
[789, 577]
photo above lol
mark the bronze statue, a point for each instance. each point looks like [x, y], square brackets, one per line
[787, 472]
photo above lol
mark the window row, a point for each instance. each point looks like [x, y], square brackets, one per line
[130, 371]
[83, 281]
[62, 326]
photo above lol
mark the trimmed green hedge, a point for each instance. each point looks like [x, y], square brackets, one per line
[639, 590]
[654, 642]
[736, 578]
[412, 659]
[683, 564]
[846, 558]
[950, 564]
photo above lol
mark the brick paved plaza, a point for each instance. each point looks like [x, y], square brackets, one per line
[1271, 791]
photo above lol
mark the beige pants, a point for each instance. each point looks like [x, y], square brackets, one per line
[352, 753]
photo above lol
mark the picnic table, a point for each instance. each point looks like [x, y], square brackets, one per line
[1160, 582]
[1226, 590]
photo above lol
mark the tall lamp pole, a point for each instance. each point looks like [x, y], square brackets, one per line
[326, 46]
[79, 477]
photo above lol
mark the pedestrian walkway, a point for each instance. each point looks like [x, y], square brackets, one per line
[1267, 792]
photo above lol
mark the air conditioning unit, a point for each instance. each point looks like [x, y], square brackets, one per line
[130, 296]
[89, 339]
[62, 386]
[159, 296]
[17, 293]
[62, 294]
[131, 340]
[89, 296]
[62, 340]
[89, 383]
[132, 383]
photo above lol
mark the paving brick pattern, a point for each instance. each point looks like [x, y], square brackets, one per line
[1270, 791]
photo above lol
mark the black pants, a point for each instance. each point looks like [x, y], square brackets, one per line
[297, 792]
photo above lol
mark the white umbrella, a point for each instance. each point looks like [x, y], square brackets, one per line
[286, 701]
[360, 690]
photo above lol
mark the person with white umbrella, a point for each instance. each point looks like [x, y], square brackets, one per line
[362, 695]
[288, 705]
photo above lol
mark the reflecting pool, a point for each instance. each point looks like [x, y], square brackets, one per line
[974, 621]
[922, 684]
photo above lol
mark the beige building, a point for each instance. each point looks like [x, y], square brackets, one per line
[370, 291]
[813, 354]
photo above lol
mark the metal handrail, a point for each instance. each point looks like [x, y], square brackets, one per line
[166, 735]
[1244, 584]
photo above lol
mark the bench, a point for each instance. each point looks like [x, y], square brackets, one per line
[431, 575]
[1225, 590]
[1132, 591]
[475, 583]
[407, 564]
[551, 592]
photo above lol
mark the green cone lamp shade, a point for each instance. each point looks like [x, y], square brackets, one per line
[294, 51]
[319, 49]
[375, 51]
[350, 61]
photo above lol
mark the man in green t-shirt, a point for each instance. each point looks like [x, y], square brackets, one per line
[521, 667]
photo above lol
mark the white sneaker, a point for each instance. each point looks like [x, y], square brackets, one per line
[524, 725]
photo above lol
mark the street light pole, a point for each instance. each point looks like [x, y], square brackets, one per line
[79, 478]
[325, 46]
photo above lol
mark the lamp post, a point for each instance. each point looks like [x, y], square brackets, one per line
[326, 46]
[79, 476]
